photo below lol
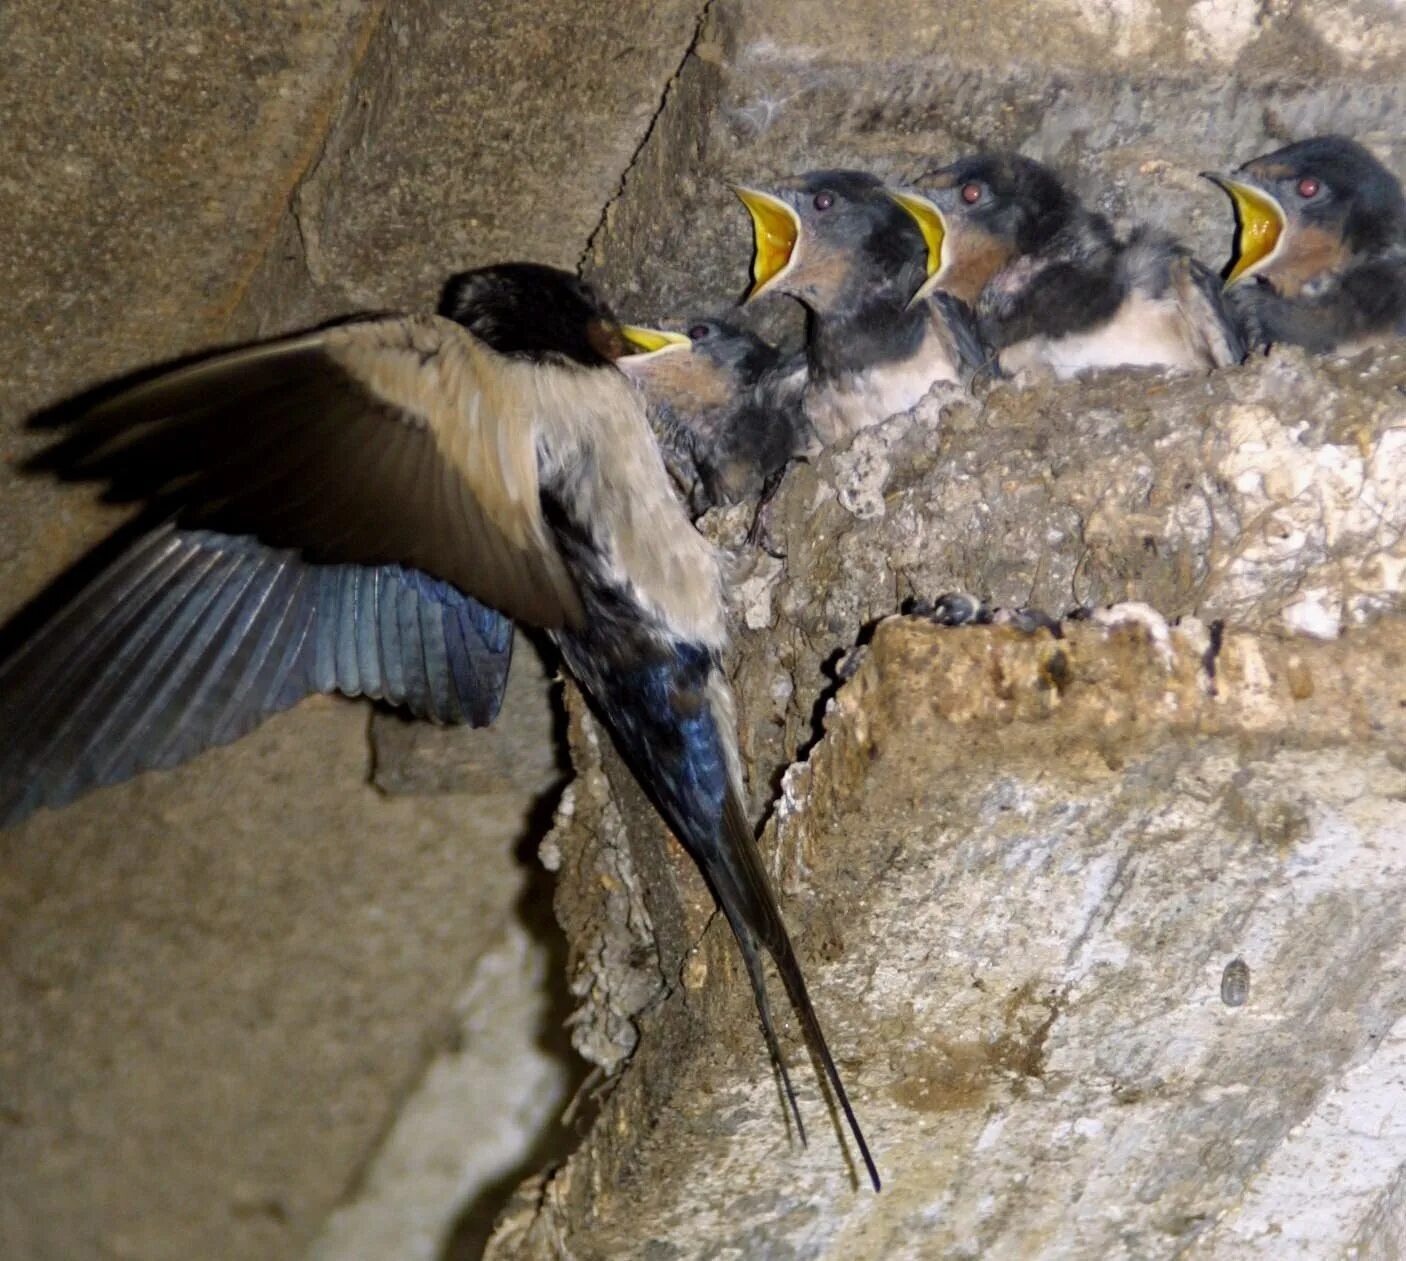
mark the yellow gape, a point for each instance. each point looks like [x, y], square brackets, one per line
[777, 228]
[1261, 225]
[934, 229]
[647, 340]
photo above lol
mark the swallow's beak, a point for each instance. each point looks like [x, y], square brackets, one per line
[1260, 225]
[777, 228]
[934, 229]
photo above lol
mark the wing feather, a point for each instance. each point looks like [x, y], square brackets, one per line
[391, 441]
[1200, 296]
[144, 691]
[192, 638]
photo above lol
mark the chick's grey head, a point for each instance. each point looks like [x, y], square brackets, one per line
[529, 311]
[835, 240]
[737, 350]
[985, 210]
[707, 365]
[1305, 211]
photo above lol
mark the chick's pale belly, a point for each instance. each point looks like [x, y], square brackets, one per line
[1145, 333]
[837, 410]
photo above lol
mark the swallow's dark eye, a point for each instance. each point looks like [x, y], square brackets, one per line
[1308, 187]
[971, 193]
[698, 332]
[823, 201]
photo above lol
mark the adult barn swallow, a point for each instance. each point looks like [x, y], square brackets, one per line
[725, 406]
[836, 242]
[492, 452]
[1052, 285]
[1320, 251]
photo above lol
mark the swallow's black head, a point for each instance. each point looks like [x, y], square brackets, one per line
[529, 311]
[1332, 184]
[835, 240]
[1008, 196]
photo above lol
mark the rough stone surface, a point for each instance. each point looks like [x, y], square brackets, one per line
[483, 132]
[1016, 883]
[218, 988]
[146, 162]
[494, 1093]
[1271, 496]
[1017, 910]
[1018, 867]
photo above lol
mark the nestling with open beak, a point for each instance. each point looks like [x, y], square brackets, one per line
[836, 241]
[492, 453]
[1320, 247]
[724, 404]
[1054, 289]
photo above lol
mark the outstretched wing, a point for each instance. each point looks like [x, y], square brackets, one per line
[390, 441]
[192, 638]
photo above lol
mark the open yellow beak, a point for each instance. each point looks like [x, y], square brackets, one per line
[1260, 220]
[647, 341]
[776, 228]
[934, 229]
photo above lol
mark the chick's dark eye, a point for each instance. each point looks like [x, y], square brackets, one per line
[971, 193]
[1308, 187]
[823, 201]
[698, 332]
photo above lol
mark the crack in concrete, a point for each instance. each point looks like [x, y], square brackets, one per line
[664, 97]
[306, 236]
[305, 230]
[310, 159]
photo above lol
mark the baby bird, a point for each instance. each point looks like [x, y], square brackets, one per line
[1320, 253]
[837, 242]
[1053, 287]
[725, 406]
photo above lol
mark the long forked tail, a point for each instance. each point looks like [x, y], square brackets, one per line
[673, 719]
[740, 884]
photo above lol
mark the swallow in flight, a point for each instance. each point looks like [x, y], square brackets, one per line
[490, 461]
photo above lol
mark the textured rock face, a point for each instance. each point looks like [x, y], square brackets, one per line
[146, 170]
[1270, 497]
[1133, 100]
[1019, 867]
